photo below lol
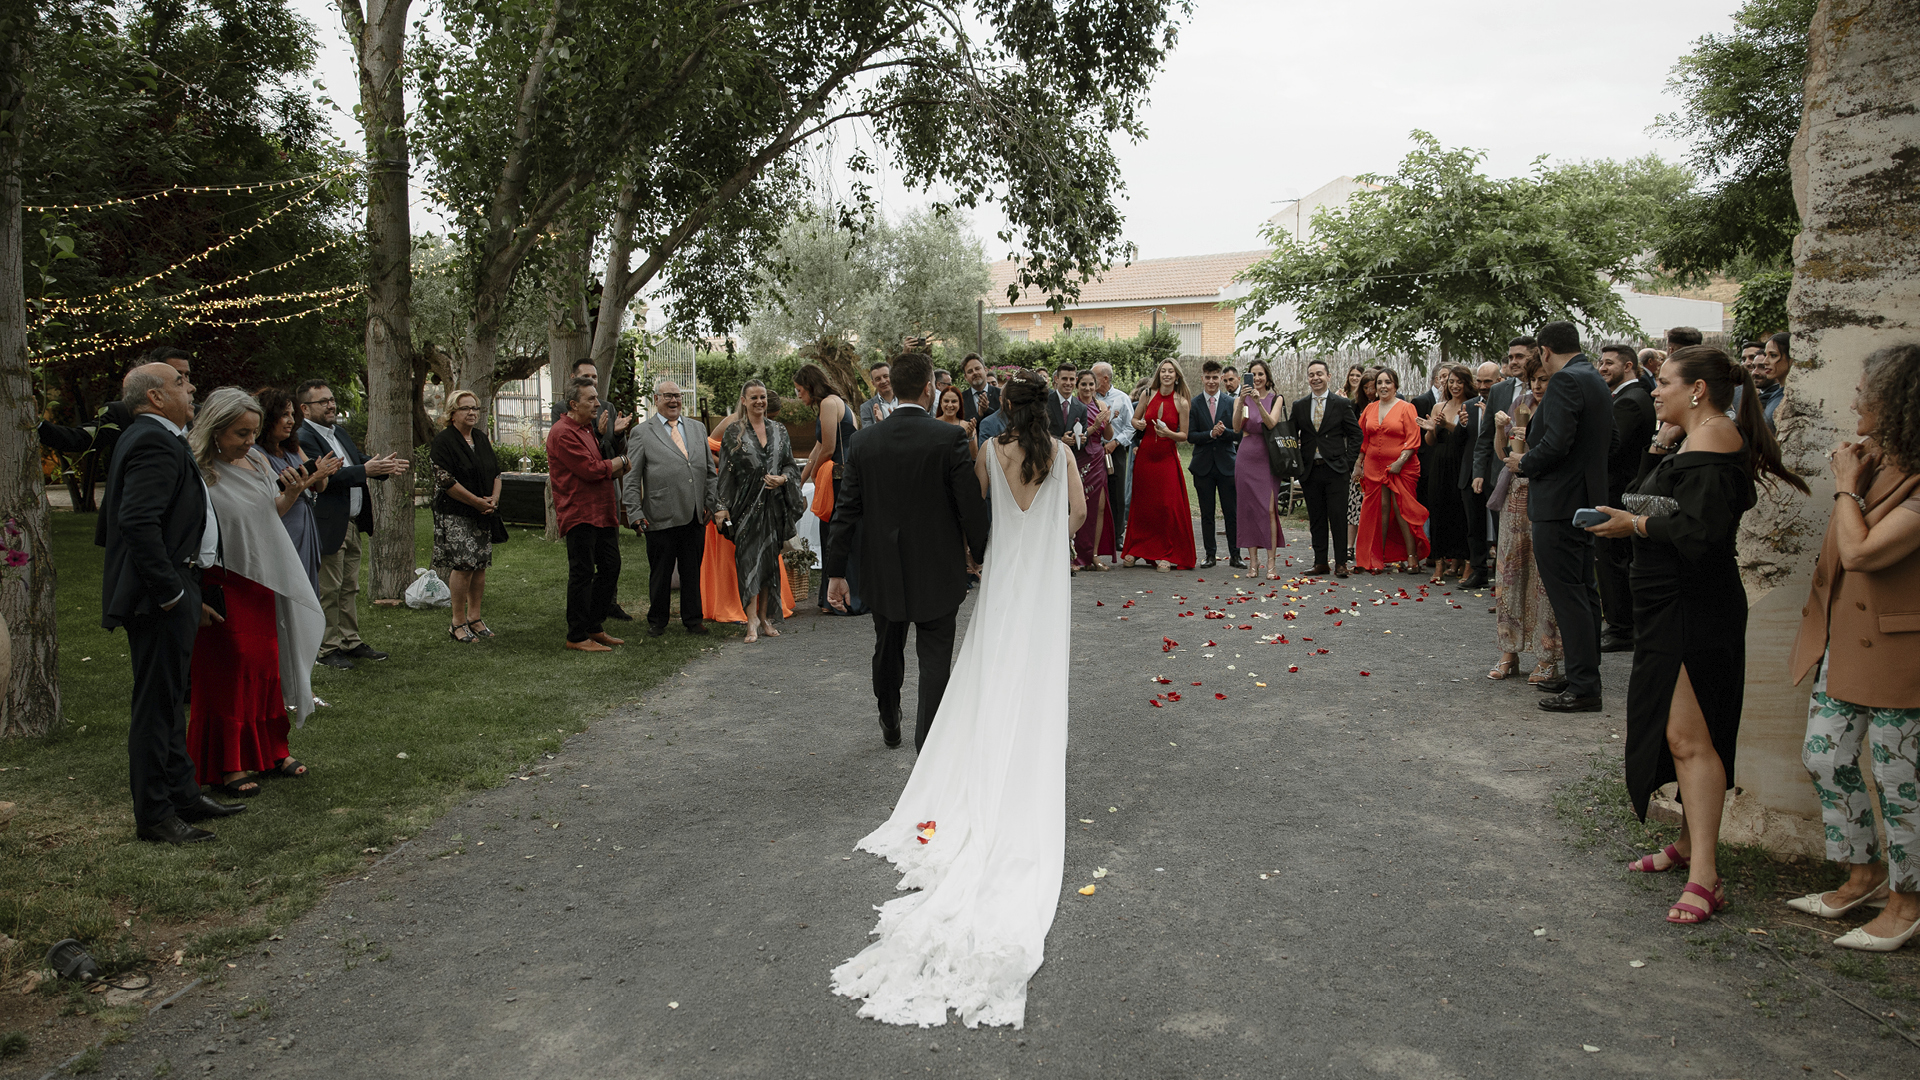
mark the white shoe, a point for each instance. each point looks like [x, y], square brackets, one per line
[1814, 904]
[1858, 938]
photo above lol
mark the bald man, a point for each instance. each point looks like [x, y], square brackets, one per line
[670, 491]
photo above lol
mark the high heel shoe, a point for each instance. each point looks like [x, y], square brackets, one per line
[1816, 903]
[461, 634]
[1858, 938]
[1503, 670]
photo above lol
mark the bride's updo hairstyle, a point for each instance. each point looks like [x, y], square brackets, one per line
[1721, 373]
[1025, 399]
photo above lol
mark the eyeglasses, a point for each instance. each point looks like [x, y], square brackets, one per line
[321, 401]
[668, 397]
[468, 408]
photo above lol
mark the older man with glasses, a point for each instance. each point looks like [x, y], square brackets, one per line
[671, 489]
[342, 513]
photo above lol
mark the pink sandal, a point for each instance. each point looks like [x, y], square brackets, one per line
[1675, 861]
[1716, 900]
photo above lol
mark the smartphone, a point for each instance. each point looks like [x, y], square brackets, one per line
[1585, 518]
[312, 464]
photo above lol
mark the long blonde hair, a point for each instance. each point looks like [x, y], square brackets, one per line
[224, 408]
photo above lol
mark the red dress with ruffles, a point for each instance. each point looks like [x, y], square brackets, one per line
[1381, 442]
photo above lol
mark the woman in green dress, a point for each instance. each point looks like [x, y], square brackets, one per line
[760, 502]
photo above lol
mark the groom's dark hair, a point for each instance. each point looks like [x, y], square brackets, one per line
[911, 372]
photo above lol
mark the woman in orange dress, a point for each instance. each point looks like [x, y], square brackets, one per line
[1391, 517]
[1159, 521]
[719, 584]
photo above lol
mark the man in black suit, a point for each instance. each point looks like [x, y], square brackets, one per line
[1474, 494]
[911, 489]
[1209, 432]
[980, 398]
[1486, 461]
[1329, 435]
[1566, 467]
[1633, 427]
[157, 525]
[341, 513]
[1064, 409]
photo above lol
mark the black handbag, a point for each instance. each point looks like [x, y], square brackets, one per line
[1283, 451]
[498, 528]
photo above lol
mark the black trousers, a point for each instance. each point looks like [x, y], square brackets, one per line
[158, 768]
[1117, 494]
[1207, 487]
[593, 573]
[1476, 505]
[680, 546]
[1563, 553]
[1326, 494]
[932, 646]
[1613, 559]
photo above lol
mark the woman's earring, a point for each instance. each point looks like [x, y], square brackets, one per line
[1694, 401]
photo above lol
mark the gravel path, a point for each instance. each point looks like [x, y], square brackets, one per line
[1338, 874]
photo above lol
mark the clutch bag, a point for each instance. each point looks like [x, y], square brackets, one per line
[1651, 505]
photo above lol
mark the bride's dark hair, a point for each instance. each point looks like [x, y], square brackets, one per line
[1025, 399]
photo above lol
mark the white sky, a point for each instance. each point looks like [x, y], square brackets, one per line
[1265, 100]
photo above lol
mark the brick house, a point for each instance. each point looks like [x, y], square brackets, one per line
[1187, 291]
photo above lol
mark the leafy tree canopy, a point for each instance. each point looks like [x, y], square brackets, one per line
[1741, 108]
[1443, 257]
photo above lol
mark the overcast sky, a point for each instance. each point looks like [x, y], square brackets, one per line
[1268, 99]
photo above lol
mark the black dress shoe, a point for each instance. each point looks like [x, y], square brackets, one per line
[1615, 643]
[337, 660]
[697, 628]
[1320, 569]
[1207, 563]
[172, 831]
[1567, 702]
[204, 807]
[655, 631]
[890, 730]
[1551, 686]
[1236, 563]
[1477, 581]
[618, 612]
[364, 651]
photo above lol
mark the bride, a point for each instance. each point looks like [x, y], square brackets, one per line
[981, 829]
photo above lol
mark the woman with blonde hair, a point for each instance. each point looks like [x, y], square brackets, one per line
[253, 664]
[466, 511]
[719, 579]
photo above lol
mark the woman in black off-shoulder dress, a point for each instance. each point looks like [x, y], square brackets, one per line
[1689, 606]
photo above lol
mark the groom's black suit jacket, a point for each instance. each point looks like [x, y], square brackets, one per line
[910, 482]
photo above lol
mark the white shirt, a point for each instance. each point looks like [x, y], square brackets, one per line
[1624, 383]
[883, 408]
[1120, 407]
[209, 553]
[354, 495]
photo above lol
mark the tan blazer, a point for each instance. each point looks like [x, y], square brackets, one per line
[1868, 624]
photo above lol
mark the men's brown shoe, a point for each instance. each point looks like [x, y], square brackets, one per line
[588, 645]
[1341, 570]
[605, 638]
[1319, 569]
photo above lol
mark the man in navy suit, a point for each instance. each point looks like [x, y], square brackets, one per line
[342, 513]
[1210, 431]
[158, 527]
[1566, 469]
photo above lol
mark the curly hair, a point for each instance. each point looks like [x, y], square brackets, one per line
[1890, 390]
[1025, 398]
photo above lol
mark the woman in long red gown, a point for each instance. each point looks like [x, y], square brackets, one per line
[1391, 517]
[1159, 520]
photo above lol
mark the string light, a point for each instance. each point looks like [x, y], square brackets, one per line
[216, 189]
[66, 350]
[214, 250]
[78, 305]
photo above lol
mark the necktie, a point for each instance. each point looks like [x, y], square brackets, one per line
[1319, 411]
[679, 444]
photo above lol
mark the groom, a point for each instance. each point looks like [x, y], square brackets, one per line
[911, 481]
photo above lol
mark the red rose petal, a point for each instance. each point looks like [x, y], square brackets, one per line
[1223, 697]
[1099, 603]
[1195, 684]
[1173, 695]
[1337, 622]
[1155, 702]
[1366, 673]
[1293, 667]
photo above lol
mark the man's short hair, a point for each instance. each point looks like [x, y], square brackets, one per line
[1625, 352]
[585, 361]
[911, 373]
[1228, 368]
[939, 372]
[1210, 367]
[1561, 338]
[164, 353]
[1753, 345]
[1524, 342]
[1101, 366]
[133, 388]
[578, 384]
[877, 365]
[1064, 365]
[300, 393]
[1682, 336]
[1322, 363]
[970, 357]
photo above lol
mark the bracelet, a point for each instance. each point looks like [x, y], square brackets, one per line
[1858, 500]
[1640, 525]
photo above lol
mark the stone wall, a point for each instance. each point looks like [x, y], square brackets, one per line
[1856, 287]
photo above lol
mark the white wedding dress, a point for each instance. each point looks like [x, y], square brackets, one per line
[990, 788]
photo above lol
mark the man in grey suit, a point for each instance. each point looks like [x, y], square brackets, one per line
[883, 402]
[671, 489]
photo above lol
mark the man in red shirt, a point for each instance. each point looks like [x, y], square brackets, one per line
[584, 494]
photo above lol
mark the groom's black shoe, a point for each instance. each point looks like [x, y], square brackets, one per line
[890, 729]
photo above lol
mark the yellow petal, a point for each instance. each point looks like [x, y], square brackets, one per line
[1088, 891]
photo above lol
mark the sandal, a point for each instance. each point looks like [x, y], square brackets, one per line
[1162, 566]
[461, 634]
[1675, 861]
[1544, 671]
[1716, 899]
[288, 768]
[479, 629]
[1503, 669]
[245, 787]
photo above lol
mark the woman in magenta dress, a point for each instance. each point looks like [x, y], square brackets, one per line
[1391, 518]
[1095, 537]
[1258, 524]
[1159, 519]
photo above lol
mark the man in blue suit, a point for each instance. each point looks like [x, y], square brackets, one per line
[342, 513]
[1210, 432]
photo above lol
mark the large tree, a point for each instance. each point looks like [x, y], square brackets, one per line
[1740, 107]
[1444, 258]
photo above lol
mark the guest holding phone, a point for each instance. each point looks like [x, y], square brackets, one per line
[283, 450]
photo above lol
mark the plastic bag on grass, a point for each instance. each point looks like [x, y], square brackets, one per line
[428, 591]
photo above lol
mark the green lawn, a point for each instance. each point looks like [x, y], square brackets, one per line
[403, 740]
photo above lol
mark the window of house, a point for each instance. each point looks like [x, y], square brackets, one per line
[1189, 333]
[1016, 335]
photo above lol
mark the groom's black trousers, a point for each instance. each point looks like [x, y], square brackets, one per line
[933, 646]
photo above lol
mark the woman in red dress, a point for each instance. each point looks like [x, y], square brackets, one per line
[1391, 517]
[1159, 521]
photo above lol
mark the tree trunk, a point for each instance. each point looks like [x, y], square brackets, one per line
[32, 703]
[380, 42]
[613, 305]
[476, 367]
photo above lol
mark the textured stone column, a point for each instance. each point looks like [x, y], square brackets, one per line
[1856, 288]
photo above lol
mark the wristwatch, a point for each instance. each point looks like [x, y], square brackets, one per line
[1858, 500]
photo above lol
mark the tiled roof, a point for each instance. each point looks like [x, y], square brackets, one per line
[1197, 276]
